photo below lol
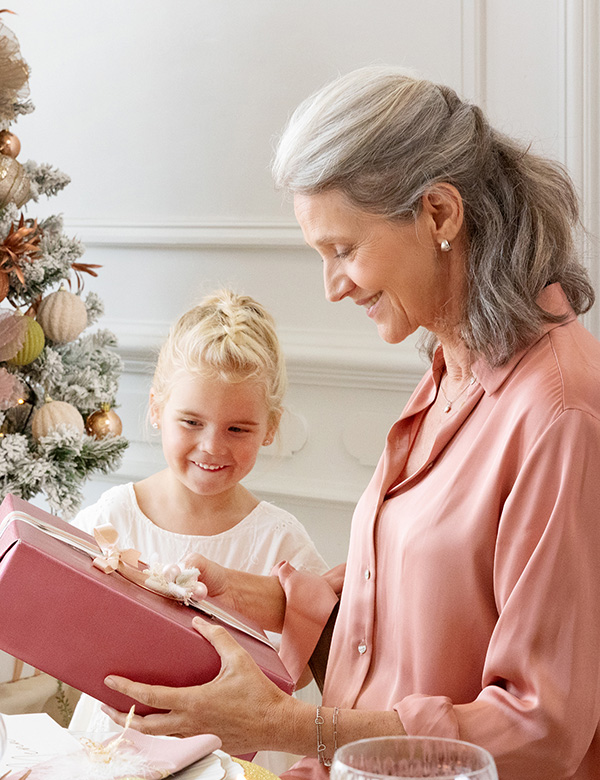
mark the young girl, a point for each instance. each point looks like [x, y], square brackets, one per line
[216, 397]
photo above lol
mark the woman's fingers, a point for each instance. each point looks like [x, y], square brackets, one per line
[159, 723]
[218, 636]
[159, 697]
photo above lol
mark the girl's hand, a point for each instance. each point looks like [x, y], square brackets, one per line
[260, 598]
[212, 574]
[241, 705]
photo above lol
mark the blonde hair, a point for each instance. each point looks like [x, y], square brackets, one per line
[384, 138]
[228, 336]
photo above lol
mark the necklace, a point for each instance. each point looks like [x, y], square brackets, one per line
[448, 407]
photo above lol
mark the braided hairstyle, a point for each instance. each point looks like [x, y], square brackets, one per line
[226, 336]
[384, 138]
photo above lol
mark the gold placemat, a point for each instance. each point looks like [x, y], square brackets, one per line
[254, 771]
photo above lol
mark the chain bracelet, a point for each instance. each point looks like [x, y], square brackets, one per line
[321, 747]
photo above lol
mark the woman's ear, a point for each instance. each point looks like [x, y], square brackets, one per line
[443, 204]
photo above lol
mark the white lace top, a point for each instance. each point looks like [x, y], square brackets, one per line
[263, 538]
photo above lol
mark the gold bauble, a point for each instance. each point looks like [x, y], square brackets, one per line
[14, 184]
[52, 414]
[33, 344]
[9, 144]
[63, 316]
[103, 422]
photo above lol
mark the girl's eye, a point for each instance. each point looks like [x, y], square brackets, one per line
[235, 429]
[193, 423]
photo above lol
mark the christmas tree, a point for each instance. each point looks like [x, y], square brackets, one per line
[58, 379]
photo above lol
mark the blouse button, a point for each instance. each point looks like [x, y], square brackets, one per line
[367, 573]
[362, 647]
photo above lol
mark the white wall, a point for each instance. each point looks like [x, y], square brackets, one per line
[164, 115]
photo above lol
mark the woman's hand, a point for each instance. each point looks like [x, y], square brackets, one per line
[241, 705]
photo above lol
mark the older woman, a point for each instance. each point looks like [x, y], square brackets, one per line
[470, 605]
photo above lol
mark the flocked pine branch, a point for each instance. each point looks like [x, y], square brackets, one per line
[45, 180]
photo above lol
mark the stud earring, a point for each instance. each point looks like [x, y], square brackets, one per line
[155, 425]
[445, 245]
[266, 442]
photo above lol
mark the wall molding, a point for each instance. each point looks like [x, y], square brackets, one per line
[473, 50]
[579, 107]
[186, 235]
[98, 233]
[355, 359]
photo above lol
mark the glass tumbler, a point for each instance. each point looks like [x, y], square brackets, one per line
[409, 758]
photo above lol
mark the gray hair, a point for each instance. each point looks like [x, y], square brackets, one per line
[227, 336]
[384, 138]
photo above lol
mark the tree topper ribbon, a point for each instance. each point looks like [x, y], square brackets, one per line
[107, 537]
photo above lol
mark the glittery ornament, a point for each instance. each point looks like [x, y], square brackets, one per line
[14, 74]
[53, 414]
[62, 315]
[14, 184]
[103, 422]
[33, 344]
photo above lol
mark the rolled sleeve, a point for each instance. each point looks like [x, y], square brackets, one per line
[310, 599]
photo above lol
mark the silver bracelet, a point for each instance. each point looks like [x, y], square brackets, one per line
[321, 748]
[319, 721]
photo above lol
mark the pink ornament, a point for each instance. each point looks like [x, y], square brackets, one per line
[199, 591]
[171, 571]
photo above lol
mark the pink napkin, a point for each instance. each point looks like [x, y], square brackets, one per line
[135, 756]
[170, 754]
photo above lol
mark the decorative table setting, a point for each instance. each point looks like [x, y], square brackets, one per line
[35, 747]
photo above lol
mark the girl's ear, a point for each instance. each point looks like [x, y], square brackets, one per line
[443, 204]
[154, 410]
[275, 419]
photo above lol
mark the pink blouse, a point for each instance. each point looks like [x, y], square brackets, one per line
[471, 598]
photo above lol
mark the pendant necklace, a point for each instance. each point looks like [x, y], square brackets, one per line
[448, 407]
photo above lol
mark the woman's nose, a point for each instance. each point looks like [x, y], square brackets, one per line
[337, 284]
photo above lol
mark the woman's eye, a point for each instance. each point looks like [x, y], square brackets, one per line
[341, 254]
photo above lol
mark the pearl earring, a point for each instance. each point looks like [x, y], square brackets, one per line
[266, 442]
[445, 245]
[155, 425]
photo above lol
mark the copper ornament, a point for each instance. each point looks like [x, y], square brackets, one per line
[9, 144]
[103, 422]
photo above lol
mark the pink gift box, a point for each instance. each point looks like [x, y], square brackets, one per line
[64, 616]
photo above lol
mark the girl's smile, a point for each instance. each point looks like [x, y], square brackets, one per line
[212, 430]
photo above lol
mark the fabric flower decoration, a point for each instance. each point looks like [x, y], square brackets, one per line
[12, 390]
[13, 329]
